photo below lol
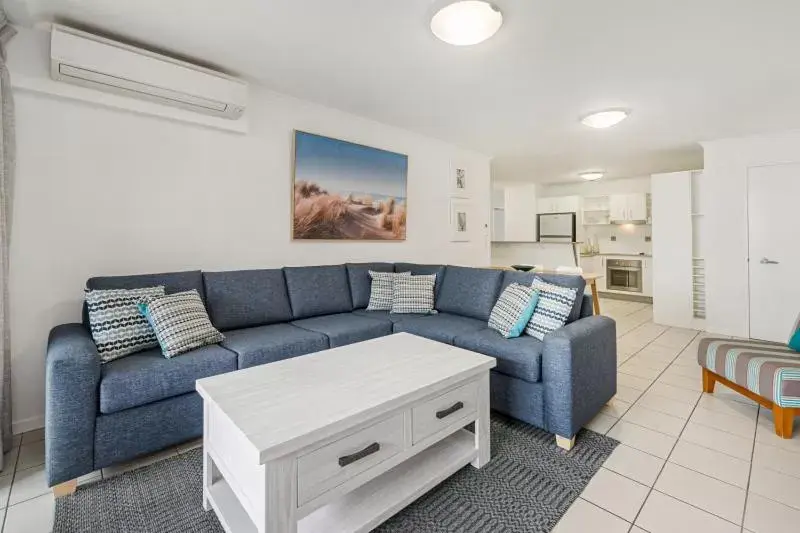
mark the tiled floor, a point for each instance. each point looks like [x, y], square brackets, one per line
[688, 461]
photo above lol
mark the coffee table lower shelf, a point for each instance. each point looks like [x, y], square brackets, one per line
[369, 505]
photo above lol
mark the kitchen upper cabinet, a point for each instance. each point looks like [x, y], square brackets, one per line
[559, 204]
[626, 207]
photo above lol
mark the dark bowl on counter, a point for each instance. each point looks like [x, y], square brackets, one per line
[523, 268]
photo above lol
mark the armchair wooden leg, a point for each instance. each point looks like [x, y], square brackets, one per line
[784, 420]
[66, 488]
[708, 381]
[564, 443]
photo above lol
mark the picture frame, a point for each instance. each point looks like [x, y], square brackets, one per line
[459, 180]
[462, 220]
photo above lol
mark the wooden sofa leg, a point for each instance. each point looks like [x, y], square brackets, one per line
[708, 381]
[784, 420]
[564, 443]
[66, 488]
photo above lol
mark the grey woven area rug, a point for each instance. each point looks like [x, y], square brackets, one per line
[526, 487]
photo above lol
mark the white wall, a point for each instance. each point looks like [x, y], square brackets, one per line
[104, 191]
[596, 188]
[727, 162]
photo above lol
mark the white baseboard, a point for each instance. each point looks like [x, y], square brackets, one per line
[27, 424]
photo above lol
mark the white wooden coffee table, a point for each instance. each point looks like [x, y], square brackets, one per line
[340, 440]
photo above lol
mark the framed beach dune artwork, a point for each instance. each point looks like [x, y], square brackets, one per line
[347, 191]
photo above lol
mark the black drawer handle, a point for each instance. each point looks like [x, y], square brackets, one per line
[352, 458]
[450, 410]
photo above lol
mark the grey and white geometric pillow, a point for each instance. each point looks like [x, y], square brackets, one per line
[117, 327]
[513, 310]
[413, 294]
[180, 322]
[381, 290]
[552, 310]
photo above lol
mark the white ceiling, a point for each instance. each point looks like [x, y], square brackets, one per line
[690, 70]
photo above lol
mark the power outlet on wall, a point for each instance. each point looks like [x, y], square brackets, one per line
[613, 238]
[648, 238]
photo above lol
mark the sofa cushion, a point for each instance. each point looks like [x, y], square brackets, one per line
[442, 327]
[147, 376]
[469, 292]
[346, 328]
[386, 316]
[562, 280]
[266, 344]
[423, 270]
[318, 290]
[171, 281]
[247, 298]
[361, 283]
[519, 358]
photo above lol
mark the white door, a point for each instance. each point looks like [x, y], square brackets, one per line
[774, 255]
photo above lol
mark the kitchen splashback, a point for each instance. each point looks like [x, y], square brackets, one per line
[628, 239]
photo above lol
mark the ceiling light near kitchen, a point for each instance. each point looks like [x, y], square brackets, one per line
[467, 22]
[591, 176]
[605, 119]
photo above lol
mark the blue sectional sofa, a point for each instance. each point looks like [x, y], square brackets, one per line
[98, 415]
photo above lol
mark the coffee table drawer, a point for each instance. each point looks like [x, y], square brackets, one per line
[329, 466]
[437, 413]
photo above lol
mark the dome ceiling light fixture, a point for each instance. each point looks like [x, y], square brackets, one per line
[606, 118]
[466, 22]
[592, 175]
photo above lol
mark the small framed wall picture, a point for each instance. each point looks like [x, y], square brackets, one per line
[459, 180]
[460, 220]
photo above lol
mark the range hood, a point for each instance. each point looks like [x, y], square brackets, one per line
[634, 222]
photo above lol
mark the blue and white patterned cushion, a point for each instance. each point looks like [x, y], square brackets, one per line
[382, 289]
[180, 321]
[413, 294]
[513, 310]
[552, 310]
[117, 327]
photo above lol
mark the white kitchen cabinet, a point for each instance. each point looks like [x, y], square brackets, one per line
[647, 276]
[519, 213]
[626, 207]
[591, 264]
[601, 281]
[559, 204]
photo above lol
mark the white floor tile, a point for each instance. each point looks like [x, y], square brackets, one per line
[643, 439]
[30, 455]
[637, 529]
[10, 461]
[618, 494]
[778, 459]
[664, 514]
[711, 463]
[776, 486]
[766, 516]
[718, 440]
[5, 490]
[717, 404]
[662, 404]
[739, 424]
[601, 423]
[635, 464]
[33, 436]
[28, 484]
[709, 494]
[693, 372]
[765, 433]
[583, 516]
[627, 394]
[633, 382]
[658, 421]
[31, 516]
[615, 408]
[633, 368]
[692, 384]
[721, 391]
[675, 393]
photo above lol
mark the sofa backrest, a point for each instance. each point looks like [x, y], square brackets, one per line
[562, 280]
[423, 270]
[361, 282]
[247, 298]
[587, 308]
[469, 292]
[318, 290]
[172, 281]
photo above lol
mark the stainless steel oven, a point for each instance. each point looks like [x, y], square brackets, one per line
[624, 275]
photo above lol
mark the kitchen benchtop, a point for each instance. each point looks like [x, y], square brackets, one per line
[616, 255]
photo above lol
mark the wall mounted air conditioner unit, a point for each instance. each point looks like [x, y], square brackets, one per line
[88, 60]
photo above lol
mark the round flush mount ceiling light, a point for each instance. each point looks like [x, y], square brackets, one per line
[605, 118]
[593, 175]
[466, 22]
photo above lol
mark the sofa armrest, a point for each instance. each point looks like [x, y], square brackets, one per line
[579, 373]
[72, 377]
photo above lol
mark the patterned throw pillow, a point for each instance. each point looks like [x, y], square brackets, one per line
[118, 329]
[513, 310]
[552, 310]
[180, 321]
[413, 294]
[382, 289]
